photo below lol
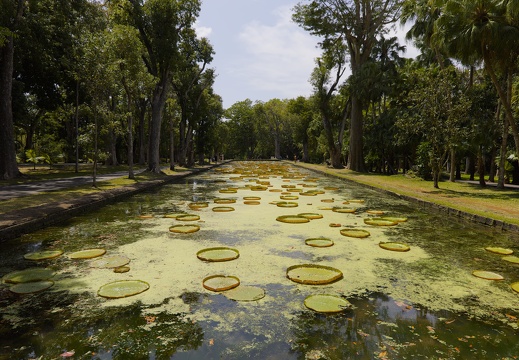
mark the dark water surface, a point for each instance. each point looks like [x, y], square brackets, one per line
[423, 304]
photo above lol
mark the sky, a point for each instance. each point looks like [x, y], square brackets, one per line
[260, 53]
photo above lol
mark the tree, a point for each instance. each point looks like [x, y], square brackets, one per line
[356, 23]
[162, 26]
[303, 114]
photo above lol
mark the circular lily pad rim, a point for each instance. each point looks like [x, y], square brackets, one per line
[394, 246]
[199, 253]
[499, 250]
[230, 294]
[188, 217]
[43, 285]
[310, 241]
[223, 209]
[39, 255]
[98, 263]
[339, 275]
[123, 281]
[365, 233]
[229, 287]
[311, 216]
[194, 229]
[310, 297]
[42, 275]
[487, 275]
[297, 219]
[379, 222]
[97, 252]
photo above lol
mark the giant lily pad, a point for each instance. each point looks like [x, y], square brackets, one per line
[292, 219]
[220, 282]
[28, 275]
[245, 293]
[326, 303]
[488, 275]
[31, 287]
[224, 201]
[379, 222]
[394, 246]
[87, 254]
[515, 286]
[218, 254]
[43, 255]
[319, 242]
[252, 202]
[110, 262]
[355, 233]
[394, 219]
[499, 250]
[198, 205]
[251, 198]
[188, 217]
[311, 216]
[289, 197]
[184, 229]
[511, 259]
[173, 215]
[223, 209]
[343, 210]
[122, 289]
[228, 191]
[311, 274]
[287, 204]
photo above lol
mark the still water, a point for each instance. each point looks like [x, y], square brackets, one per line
[421, 304]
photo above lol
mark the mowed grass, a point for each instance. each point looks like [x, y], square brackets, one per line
[471, 198]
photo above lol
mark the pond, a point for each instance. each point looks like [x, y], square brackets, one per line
[422, 303]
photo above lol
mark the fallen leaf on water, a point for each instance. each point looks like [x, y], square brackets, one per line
[383, 354]
[67, 354]
[511, 317]
[211, 342]
[450, 321]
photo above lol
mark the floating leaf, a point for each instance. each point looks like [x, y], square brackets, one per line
[311, 216]
[184, 229]
[110, 262]
[289, 197]
[326, 303]
[355, 233]
[31, 287]
[245, 293]
[331, 188]
[220, 282]
[356, 201]
[292, 219]
[28, 275]
[287, 204]
[223, 209]
[511, 259]
[319, 242]
[188, 217]
[123, 288]
[43, 255]
[198, 205]
[311, 274]
[515, 286]
[335, 225]
[251, 198]
[488, 275]
[499, 250]
[87, 254]
[252, 202]
[343, 210]
[146, 216]
[218, 254]
[379, 222]
[227, 191]
[394, 219]
[121, 269]
[224, 201]
[394, 246]
[308, 193]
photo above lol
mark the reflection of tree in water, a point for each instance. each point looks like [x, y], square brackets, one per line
[46, 330]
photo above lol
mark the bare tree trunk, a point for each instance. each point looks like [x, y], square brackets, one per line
[356, 156]
[157, 108]
[76, 132]
[142, 132]
[172, 145]
[94, 172]
[452, 176]
[481, 167]
[502, 156]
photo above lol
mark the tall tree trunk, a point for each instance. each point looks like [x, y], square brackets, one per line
[172, 144]
[142, 131]
[96, 131]
[452, 176]
[356, 156]
[492, 169]
[157, 108]
[305, 158]
[277, 147]
[481, 167]
[502, 156]
[76, 127]
[8, 166]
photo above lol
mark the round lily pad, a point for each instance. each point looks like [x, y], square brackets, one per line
[311, 274]
[224, 201]
[198, 205]
[499, 250]
[245, 293]
[292, 219]
[122, 289]
[326, 303]
[287, 204]
[335, 225]
[173, 215]
[356, 201]
[515, 286]
[188, 217]
[379, 222]
[252, 202]
[355, 233]
[488, 275]
[43, 255]
[394, 246]
[511, 259]
[251, 198]
[110, 262]
[31, 287]
[275, 190]
[308, 193]
[289, 197]
[184, 229]
[220, 282]
[223, 209]
[87, 254]
[331, 188]
[311, 216]
[228, 191]
[319, 242]
[394, 219]
[28, 275]
[343, 210]
[121, 269]
[218, 254]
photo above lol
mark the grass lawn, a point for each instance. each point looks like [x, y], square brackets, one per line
[488, 201]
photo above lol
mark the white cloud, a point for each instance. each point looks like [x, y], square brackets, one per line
[202, 31]
[280, 57]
